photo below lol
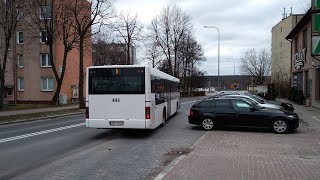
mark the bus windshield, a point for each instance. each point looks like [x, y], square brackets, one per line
[117, 81]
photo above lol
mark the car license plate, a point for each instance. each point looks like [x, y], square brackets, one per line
[116, 123]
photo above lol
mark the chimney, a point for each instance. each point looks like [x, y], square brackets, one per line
[291, 11]
[284, 13]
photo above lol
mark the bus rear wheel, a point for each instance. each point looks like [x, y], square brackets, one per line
[164, 118]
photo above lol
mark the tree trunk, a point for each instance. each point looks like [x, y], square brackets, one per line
[128, 48]
[60, 80]
[81, 97]
[1, 88]
[54, 69]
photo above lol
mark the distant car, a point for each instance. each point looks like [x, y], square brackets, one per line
[235, 112]
[256, 101]
[286, 106]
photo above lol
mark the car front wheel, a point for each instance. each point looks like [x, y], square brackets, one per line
[207, 124]
[280, 126]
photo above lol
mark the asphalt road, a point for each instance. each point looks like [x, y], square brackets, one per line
[64, 149]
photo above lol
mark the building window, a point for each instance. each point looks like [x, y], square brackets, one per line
[46, 84]
[45, 12]
[9, 93]
[45, 60]
[43, 36]
[19, 13]
[20, 84]
[281, 29]
[305, 38]
[281, 44]
[20, 37]
[20, 61]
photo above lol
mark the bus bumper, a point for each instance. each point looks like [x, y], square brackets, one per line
[127, 124]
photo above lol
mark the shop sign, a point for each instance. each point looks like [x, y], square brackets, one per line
[299, 58]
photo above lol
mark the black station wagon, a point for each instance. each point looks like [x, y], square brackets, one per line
[235, 112]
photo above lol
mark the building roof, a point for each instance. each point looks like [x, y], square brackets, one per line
[291, 15]
[305, 19]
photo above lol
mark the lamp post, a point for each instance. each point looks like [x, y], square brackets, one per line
[218, 53]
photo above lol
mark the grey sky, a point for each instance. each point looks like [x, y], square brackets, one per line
[243, 24]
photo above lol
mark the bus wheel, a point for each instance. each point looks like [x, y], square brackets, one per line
[164, 118]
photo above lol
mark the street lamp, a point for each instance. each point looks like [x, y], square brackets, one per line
[218, 53]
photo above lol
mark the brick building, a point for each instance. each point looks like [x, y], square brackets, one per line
[29, 76]
[305, 69]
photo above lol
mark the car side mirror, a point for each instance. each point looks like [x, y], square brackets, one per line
[252, 109]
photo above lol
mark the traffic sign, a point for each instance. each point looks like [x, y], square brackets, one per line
[316, 45]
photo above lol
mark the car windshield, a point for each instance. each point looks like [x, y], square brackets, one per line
[259, 99]
[253, 103]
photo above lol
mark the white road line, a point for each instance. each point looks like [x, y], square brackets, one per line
[40, 133]
[314, 117]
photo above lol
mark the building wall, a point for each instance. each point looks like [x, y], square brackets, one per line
[281, 49]
[32, 70]
[307, 78]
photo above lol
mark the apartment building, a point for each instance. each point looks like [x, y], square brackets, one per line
[281, 50]
[29, 77]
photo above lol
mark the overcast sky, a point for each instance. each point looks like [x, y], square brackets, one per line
[243, 25]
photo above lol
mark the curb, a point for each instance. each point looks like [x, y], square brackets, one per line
[41, 118]
[169, 167]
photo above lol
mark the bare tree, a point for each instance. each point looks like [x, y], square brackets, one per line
[69, 38]
[181, 25]
[168, 29]
[89, 17]
[55, 24]
[129, 30]
[160, 26]
[11, 12]
[256, 64]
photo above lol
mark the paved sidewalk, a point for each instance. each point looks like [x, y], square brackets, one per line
[253, 154]
[38, 110]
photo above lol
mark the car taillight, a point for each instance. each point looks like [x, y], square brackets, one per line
[191, 112]
[147, 112]
[87, 112]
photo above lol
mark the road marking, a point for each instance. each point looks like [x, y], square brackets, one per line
[168, 168]
[314, 117]
[40, 133]
[190, 102]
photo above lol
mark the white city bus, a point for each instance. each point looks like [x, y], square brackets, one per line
[130, 96]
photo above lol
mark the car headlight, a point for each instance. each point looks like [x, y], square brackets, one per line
[292, 116]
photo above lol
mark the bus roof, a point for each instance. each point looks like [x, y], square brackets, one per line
[154, 71]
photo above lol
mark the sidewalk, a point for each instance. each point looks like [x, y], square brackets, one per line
[253, 154]
[38, 110]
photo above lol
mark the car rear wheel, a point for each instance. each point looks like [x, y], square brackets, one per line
[280, 126]
[207, 124]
